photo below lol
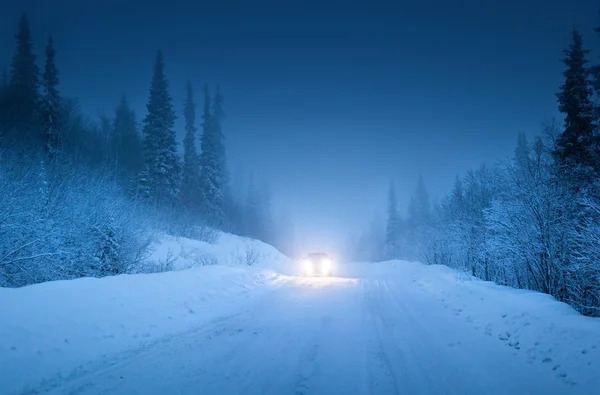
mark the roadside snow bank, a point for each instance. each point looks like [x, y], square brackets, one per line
[535, 325]
[50, 329]
[177, 253]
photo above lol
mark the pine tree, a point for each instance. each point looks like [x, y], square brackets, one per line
[213, 173]
[4, 82]
[392, 226]
[218, 115]
[51, 103]
[160, 176]
[573, 146]
[266, 215]
[4, 109]
[217, 118]
[190, 196]
[102, 152]
[24, 83]
[419, 210]
[257, 213]
[125, 146]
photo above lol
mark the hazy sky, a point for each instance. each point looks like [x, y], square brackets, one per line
[328, 100]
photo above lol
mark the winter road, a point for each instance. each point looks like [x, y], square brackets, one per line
[347, 335]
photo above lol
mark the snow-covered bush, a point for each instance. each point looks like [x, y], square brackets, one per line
[58, 222]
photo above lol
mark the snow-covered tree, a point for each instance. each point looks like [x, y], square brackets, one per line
[419, 210]
[160, 176]
[370, 244]
[527, 228]
[418, 220]
[51, 103]
[4, 104]
[126, 146]
[59, 221]
[24, 84]
[213, 168]
[257, 213]
[392, 229]
[190, 190]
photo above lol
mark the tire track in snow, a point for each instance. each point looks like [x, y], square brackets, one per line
[81, 379]
[381, 376]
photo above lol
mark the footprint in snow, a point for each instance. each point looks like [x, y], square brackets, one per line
[547, 360]
[504, 336]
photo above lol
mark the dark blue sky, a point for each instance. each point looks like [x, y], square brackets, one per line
[328, 100]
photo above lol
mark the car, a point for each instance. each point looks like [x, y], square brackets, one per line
[317, 264]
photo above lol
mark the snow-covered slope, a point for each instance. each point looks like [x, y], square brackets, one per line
[228, 249]
[53, 327]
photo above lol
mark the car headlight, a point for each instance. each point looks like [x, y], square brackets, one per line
[308, 265]
[326, 265]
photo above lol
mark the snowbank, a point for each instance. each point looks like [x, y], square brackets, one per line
[536, 326]
[230, 250]
[49, 329]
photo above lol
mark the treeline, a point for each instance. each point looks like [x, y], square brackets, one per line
[82, 197]
[533, 220]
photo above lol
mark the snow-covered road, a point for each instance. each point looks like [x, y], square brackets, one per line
[369, 333]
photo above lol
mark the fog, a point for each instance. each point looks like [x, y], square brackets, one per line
[326, 102]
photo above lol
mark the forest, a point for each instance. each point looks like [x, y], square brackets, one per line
[81, 196]
[531, 221]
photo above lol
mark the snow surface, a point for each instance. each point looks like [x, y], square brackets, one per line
[229, 250]
[386, 328]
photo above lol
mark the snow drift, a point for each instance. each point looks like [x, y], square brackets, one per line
[177, 253]
[48, 330]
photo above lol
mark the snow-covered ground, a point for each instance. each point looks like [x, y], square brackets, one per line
[228, 249]
[385, 328]
[47, 331]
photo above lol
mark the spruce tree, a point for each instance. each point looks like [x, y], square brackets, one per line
[160, 177]
[51, 103]
[125, 146]
[190, 196]
[392, 225]
[419, 210]
[24, 84]
[253, 218]
[218, 115]
[265, 214]
[4, 109]
[574, 144]
[4, 82]
[212, 162]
